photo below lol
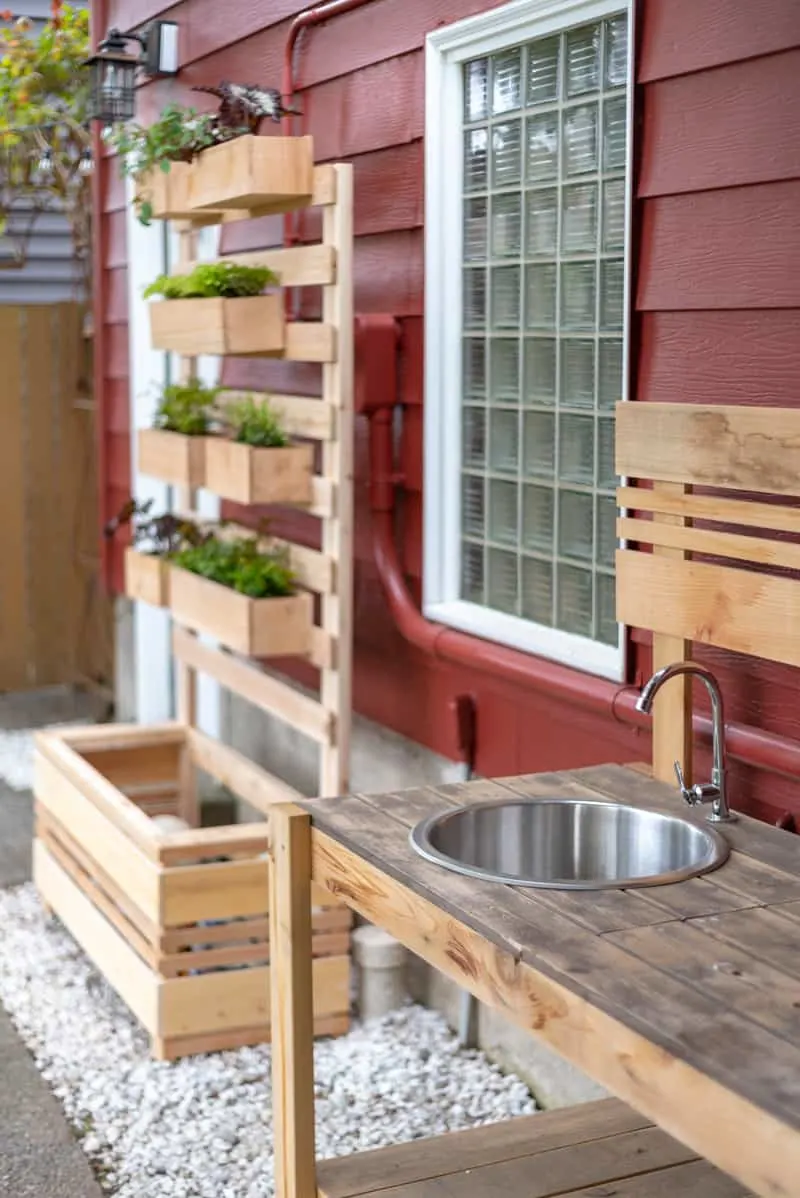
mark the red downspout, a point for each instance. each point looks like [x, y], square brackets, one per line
[751, 746]
[98, 16]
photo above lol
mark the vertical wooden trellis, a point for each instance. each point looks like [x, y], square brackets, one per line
[182, 930]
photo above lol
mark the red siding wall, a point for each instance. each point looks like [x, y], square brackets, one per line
[717, 292]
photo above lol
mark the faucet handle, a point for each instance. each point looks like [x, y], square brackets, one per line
[685, 790]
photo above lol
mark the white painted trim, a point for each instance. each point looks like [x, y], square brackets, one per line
[445, 50]
[577, 651]
[151, 625]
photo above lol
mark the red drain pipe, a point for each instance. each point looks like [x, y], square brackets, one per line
[751, 746]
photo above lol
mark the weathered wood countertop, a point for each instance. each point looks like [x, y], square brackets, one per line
[684, 1000]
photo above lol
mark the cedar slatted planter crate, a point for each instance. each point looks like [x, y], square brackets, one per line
[275, 627]
[172, 456]
[136, 898]
[248, 474]
[146, 577]
[256, 173]
[245, 325]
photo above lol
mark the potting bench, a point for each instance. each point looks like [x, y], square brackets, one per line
[684, 999]
[177, 921]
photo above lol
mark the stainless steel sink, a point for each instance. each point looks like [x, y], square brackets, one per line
[568, 844]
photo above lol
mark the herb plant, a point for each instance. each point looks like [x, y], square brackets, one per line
[239, 564]
[210, 280]
[255, 424]
[178, 135]
[186, 408]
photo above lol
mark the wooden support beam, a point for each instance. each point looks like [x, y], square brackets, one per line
[292, 1004]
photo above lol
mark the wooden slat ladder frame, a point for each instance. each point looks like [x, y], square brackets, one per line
[329, 571]
[742, 605]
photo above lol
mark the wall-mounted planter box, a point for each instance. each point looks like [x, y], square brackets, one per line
[249, 475]
[171, 456]
[168, 193]
[256, 173]
[177, 922]
[146, 577]
[252, 325]
[280, 627]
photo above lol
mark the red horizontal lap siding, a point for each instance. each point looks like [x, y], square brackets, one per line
[718, 286]
[722, 128]
[715, 287]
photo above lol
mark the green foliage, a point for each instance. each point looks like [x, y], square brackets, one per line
[179, 134]
[44, 107]
[255, 424]
[186, 408]
[213, 279]
[239, 564]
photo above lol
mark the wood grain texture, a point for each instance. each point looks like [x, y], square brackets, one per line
[516, 953]
[291, 1002]
[721, 249]
[718, 129]
[742, 448]
[734, 609]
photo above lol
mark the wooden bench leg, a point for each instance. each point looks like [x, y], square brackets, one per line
[291, 1004]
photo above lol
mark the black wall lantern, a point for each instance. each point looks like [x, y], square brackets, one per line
[113, 69]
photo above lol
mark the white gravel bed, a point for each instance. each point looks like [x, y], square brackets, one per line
[202, 1127]
[16, 755]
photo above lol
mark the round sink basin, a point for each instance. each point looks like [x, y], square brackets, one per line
[568, 844]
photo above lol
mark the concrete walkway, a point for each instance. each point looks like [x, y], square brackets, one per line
[39, 1156]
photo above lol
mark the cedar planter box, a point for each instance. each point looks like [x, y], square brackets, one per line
[172, 456]
[146, 577]
[246, 474]
[168, 193]
[280, 627]
[139, 901]
[254, 173]
[249, 325]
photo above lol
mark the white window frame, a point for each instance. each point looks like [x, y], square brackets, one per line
[446, 50]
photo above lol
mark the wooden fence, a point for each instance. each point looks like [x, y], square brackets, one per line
[55, 622]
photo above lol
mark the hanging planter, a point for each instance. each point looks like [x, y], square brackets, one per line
[242, 596]
[218, 308]
[146, 577]
[174, 450]
[256, 173]
[256, 462]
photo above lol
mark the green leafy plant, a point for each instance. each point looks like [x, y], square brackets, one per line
[214, 279]
[186, 408]
[240, 564]
[254, 424]
[179, 134]
[45, 136]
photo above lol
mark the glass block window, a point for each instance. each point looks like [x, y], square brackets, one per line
[544, 129]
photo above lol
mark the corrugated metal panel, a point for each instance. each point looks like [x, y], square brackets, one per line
[50, 273]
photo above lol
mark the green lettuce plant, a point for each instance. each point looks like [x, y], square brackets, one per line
[210, 280]
[241, 565]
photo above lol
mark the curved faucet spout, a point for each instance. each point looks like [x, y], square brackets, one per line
[714, 793]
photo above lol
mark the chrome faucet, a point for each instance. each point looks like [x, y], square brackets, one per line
[712, 792]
